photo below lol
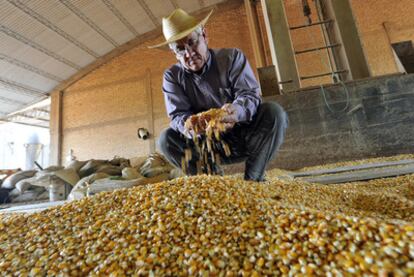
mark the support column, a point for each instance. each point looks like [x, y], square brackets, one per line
[283, 56]
[150, 113]
[397, 63]
[350, 55]
[254, 29]
[56, 105]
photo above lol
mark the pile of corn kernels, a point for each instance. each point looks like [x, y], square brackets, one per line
[387, 199]
[203, 225]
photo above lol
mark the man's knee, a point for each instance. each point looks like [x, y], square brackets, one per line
[276, 115]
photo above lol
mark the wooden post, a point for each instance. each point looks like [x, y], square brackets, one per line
[150, 113]
[283, 55]
[56, 103]
[398, 65]
[254, 29]
[350, 55]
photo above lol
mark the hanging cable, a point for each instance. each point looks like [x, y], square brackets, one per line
[347, 99]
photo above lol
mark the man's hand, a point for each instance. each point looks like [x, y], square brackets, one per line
[193, 127]
[231, 118]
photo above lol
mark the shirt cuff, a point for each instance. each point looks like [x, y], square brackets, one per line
[241, 112]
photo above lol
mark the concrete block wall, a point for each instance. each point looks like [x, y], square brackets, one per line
[360, 119]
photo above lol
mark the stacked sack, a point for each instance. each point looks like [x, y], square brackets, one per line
[99, 175]
[30, 185]
[84, 178]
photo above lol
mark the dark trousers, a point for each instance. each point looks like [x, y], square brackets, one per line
[255, 142]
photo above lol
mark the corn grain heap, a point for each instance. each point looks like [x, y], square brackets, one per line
[204, 225]
[386, 199]
[361, 162]
[209, 124]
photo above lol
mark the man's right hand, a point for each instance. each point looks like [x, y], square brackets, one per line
[193, 126]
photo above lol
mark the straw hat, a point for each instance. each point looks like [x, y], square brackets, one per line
[178, 25]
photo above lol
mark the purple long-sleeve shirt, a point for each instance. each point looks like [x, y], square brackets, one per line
[225, 78]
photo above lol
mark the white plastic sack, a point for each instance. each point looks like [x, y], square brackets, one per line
[107, 184]
[31, 195]
[76, 165]
[129, 173]
[68, 175]
[155, 165]
[11, 181]
[79, 190]
[25, 184]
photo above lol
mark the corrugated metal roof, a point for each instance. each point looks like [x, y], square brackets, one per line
[45, 42]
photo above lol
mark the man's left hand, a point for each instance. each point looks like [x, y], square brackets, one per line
[231, 118]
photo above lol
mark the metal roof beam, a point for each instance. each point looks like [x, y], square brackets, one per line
[23, 123]
[38, 47]
[16, 116]
[119, 15]
[29, 67]
[30, 91]
[88, 21]
[149, 12]
[11, 101]
[41, 115]
[18, 4]
[42, 110]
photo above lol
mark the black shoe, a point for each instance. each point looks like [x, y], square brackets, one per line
[261, 180]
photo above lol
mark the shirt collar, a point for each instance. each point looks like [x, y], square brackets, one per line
[205, 68]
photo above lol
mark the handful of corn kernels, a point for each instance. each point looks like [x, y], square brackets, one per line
[207, 127]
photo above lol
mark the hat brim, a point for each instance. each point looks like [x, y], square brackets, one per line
[183, 33]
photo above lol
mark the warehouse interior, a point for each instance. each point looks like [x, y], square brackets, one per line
[338, 197]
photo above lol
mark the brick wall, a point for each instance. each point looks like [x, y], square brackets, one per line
[102, 111]
[311, 63]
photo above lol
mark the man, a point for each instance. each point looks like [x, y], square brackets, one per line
[207, 78]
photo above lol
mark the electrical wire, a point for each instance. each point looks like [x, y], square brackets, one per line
[347, 99]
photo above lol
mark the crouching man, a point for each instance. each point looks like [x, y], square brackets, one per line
[207, 78]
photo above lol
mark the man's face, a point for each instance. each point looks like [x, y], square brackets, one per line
[192, 51]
